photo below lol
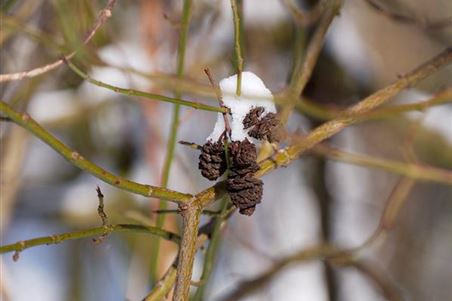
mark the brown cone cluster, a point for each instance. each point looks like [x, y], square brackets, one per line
[244, 189]
[212, 160]
[267, 127]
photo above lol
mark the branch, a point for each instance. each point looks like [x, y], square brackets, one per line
[439, 99]
[163, 286]
[191, 217]
[104, 230]
[132, 92]
[335, 256]
[389, 289]
[303, 72]
[248, 287]
[24, 120]
[101, 19]
[305, 18]
[211, 252]
[328, 129]
[370, 103]
[237, 46]
[410, 170]
[424, 24]
[171, 144]
[203, 235]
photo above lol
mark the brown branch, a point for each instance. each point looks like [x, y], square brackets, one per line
[103, 16]
[248, 287]
[415, 171]
[338, 257]
[305, 18]
[424, 24]
[370, 103]
[24, 120]
[190, 222]
[214, 85]
[302, 74]
[163, 286]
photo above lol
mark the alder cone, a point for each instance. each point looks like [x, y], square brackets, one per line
[252, 117]
[212, 160]
[243, 154]
[245, 193]
[266, 128]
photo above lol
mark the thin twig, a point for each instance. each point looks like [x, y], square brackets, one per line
[24, 120]
[411, 170]
[247, 287]
[163, 286]
[305, 18]
[424, 24]
[58, 238]
[227, 127]
[388, 288]
[237, 45]
[370, 103]
[102, 214]
[335, 256]
[191, 144]
[132, 92]
[101, 19]
[6, 119]
[303, 72]
[176, 211]
[100, 207]
[395, 202]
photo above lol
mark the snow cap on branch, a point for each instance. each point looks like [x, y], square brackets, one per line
[253, 94]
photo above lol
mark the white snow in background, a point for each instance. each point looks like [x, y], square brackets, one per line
[254, 93]
[265, 13]
[80, 198]
[344, 40]
[118, 55]
[41, 273]
[52, 105]
[436, 118]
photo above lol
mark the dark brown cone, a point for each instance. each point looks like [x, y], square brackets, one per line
[242, 153]
[245, 193]
[212, 160]
[252, 117]
[266, 128]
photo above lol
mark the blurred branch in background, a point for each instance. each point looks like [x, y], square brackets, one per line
[336, 256]
[104, 15]
[328, 119]
[98, 231]
[132, 92]
[75, 158]
[171, 144]
[409, 20]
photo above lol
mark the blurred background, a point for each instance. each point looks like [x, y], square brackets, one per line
[313, 200]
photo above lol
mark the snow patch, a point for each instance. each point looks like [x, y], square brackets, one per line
[254, 93]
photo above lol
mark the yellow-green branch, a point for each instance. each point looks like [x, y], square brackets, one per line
[172, 139]
[147, 95]
[25, 121]
[104, 230]
[415, 171]
[237, 45]
[352, 114]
